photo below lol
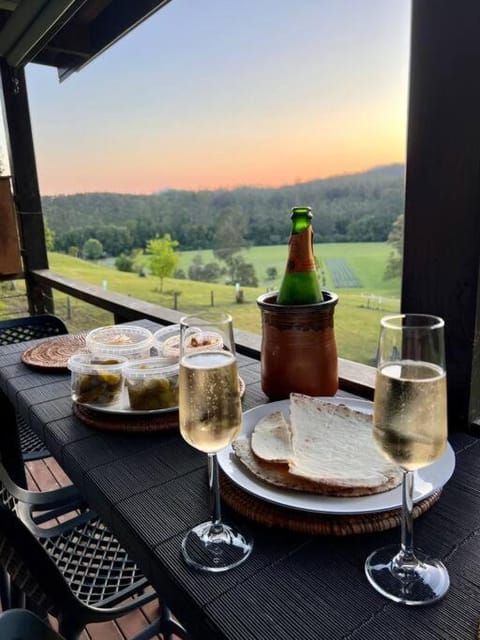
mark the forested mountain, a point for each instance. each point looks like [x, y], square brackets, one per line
[354, 208]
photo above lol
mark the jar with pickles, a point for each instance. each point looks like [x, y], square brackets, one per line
[152, 384]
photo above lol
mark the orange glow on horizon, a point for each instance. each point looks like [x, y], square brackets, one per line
[230, 163]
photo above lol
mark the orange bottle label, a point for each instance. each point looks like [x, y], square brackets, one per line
[300, 253]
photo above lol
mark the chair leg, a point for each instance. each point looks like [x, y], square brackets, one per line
[4, 590]
[165, 625]
[69, 629]
[17, 597]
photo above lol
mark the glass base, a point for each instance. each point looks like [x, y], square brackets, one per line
[215, 548]
[416, 583]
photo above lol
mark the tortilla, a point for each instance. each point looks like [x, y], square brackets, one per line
[332, 451]
[271, 439]
[333, 444]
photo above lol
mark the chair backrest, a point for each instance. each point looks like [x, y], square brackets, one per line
[31, 328]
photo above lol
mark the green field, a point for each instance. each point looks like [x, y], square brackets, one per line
[357, 314]
[367, 259]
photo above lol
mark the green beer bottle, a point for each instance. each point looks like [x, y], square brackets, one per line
[300, 282]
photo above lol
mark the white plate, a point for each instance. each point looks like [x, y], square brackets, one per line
[427, 480]
[122, 407]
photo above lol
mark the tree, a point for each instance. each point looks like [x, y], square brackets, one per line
[241, 271]
[124, 262]
[195, 270]
[229, 238]
[209, 272]
[49, 237]
[393, 268]
[163, 260]
[92, 249]
[272, 273]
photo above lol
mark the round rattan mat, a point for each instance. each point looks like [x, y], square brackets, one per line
[53, 353]
[271, 515]
[127, 423]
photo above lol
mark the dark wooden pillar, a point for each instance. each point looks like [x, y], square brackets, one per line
[25, 184]
[442, 214]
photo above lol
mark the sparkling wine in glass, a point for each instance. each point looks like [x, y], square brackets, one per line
[410, 429]
[210, 418]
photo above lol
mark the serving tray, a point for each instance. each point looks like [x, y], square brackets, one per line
[133, 423]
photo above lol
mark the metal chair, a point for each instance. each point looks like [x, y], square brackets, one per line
[19, 330]
[73, 569]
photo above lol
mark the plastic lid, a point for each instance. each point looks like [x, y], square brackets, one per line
[119, 339]
[167, 340]
[151, 367]
[88, 363]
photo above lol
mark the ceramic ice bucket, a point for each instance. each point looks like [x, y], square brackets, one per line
[298, 352]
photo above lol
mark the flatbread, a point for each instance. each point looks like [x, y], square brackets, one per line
[333, 444]
[271, 440]
[279, 476]
[332, 452]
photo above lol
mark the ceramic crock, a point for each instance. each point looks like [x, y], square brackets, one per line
[298, 352]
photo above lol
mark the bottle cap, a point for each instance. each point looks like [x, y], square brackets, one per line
[302, 211]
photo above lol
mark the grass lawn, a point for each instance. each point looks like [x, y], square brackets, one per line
[357, 314]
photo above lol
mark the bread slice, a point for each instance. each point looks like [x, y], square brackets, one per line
[332, 444]
[332, 451]
[271, 440]
[278, 475]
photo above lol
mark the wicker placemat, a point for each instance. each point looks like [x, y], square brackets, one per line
[53, 354]
[127, 423]
[271, 515]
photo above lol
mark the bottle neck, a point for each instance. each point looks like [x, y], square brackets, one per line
[301, 220]
[300, 252]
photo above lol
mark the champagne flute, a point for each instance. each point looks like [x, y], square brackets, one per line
[210, 418]
[409, 428]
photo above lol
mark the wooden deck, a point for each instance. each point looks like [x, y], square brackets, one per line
[46, 474]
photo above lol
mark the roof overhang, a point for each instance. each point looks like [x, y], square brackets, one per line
[66, 34]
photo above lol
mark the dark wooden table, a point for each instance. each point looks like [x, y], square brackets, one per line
[152, 488]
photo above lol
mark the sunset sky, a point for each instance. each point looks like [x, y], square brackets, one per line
[221, 93]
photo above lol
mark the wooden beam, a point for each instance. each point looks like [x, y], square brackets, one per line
[442, 206]
[10, 259]
[25, 183]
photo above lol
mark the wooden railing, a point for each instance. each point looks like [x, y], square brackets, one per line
[354, 377]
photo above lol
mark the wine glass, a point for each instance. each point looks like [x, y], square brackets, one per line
[210, 418]
[409, 428]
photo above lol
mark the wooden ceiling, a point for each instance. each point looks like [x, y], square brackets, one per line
[66, 34]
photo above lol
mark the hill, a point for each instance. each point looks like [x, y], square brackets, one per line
[350, 208]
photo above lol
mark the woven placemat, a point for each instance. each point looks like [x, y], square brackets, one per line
[127, 423]
[271, 515]
[53, 354]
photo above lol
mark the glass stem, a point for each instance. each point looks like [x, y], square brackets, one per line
[214, 484]
[404, 564]
[407, 516]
